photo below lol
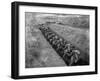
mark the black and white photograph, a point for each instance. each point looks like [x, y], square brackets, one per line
[50, 40]
[53, 40]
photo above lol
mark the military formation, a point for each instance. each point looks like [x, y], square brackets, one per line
[68, 52]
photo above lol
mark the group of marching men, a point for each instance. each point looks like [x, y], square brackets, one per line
[68, 52]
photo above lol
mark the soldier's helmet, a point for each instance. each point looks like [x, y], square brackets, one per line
[56, 37]
[60, 39]
[76, 52]
[50, 39]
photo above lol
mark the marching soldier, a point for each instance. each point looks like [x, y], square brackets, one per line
[69, 53]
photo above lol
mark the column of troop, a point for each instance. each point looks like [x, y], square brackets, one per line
[67, 51]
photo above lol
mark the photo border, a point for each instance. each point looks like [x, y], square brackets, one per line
[15, 39]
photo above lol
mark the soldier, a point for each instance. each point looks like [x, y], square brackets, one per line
[75, 57]
[47, 33]
[52, 34]
[66, 57]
